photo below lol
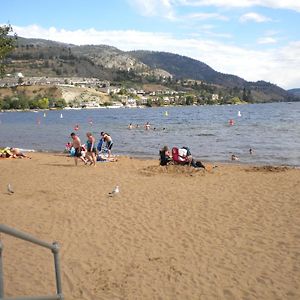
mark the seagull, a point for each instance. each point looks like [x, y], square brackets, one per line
[114, 192]
[10, 189]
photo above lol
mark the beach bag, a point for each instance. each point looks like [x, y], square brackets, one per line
[72, 151]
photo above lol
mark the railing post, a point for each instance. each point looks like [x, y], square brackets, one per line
[1, 272]
[55, 252]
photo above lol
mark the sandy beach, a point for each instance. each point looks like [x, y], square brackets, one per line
[171, 233]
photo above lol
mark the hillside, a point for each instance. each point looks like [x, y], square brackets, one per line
[185, 67]
[295, 92]
[38, 57]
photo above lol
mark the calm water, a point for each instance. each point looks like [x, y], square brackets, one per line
[271, 130]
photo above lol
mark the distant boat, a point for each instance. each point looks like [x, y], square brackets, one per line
[61, 116]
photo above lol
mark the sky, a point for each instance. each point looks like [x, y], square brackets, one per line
[253, 39]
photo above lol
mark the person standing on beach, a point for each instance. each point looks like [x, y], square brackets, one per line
[91, 148]
[77, 146]
[109, 143]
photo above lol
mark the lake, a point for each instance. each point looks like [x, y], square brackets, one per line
[271, 130]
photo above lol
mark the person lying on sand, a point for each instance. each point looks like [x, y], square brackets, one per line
[104, 158]
[9, 152]
[16, 153]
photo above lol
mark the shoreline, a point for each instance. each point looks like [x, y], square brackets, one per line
[133, 107]
[156, 158]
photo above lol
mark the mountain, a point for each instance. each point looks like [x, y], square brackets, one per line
[185, 67]
[295, 92]
[38, 57]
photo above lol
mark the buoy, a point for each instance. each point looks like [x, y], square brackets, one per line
[166, 113]
[231, 122]
[76, 127]
[44, 115]
[61, 116]
[239, 114]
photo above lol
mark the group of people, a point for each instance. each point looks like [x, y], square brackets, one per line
[89, 152]
[146, 126]
[10, 152]
[180, 156]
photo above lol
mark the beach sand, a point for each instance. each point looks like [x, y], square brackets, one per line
[171, 233]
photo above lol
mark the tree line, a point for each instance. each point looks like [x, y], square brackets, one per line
[24, 102]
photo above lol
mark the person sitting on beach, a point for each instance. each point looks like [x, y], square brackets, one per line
[68, 147]
[91, 148]
[165, 156]
[109, 143]
[185, 154]
[78, 148]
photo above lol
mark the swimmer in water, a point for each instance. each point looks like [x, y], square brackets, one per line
[234, 157]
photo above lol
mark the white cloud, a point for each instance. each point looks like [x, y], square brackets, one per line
[278, 65]
[153, 7]
[254, 17]
[267, 40]
[206, 16]
[282, 4]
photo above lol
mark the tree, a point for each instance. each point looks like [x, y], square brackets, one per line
[189, 100]
[7, 45]
[43, 103]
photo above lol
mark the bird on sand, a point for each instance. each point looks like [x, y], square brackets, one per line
[114, 192]
[10, 189]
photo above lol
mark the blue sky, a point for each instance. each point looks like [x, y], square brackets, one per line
[254, 39]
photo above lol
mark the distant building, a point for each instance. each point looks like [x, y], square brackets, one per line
[215, 97]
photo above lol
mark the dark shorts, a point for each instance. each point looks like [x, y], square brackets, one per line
[109, 145]
[89, 149]
[77, 152]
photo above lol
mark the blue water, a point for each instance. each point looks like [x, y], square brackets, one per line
[271, 130]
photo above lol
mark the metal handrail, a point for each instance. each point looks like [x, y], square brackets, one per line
[54, 247]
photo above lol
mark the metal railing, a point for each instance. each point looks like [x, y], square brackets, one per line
[54, 247]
